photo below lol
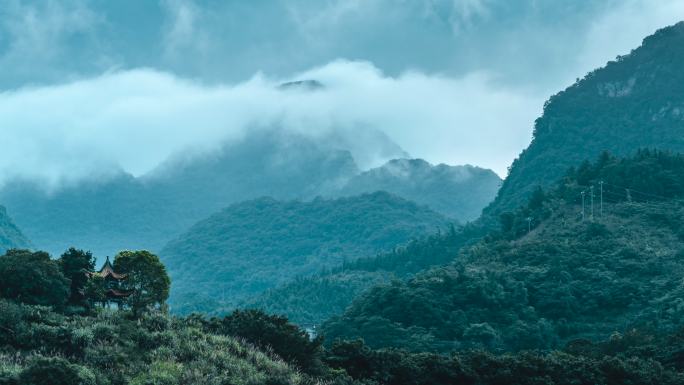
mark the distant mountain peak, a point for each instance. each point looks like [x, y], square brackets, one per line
[308, 84]
[460, 192]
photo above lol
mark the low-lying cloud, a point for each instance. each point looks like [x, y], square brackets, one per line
[136, 119]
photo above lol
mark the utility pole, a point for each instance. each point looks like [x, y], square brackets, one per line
[583, 193]
[592, 202]
[601, 186]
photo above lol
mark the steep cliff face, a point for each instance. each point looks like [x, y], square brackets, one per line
[636, 101]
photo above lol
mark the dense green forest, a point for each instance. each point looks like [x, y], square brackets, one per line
[312, 300]
[10, 235]
[543, 282]
[256, 245]
[459, 192]
[48, 336]
[633, 102]
[52, 330]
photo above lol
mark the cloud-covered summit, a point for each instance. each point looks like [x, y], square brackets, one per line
[91, 86]
[136, 119]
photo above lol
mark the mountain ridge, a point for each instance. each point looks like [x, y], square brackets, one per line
[255, 245]
[631, 103]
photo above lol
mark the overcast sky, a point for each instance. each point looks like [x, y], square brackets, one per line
[92, 84]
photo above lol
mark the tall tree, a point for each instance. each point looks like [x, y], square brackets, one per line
[147, 278]
[75, 264]
[33, 278]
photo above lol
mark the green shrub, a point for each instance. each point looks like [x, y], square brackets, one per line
[55, 371]
[274, 332]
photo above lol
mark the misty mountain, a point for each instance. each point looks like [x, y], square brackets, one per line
[459, 192]
[119, 211]
[636, 101]
[124, 212]
[306, 85]
[256, 245]
[568, 278]
[10, 235]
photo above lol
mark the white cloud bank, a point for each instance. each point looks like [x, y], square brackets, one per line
[136, 119]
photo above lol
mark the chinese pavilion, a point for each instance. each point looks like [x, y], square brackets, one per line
[115, 291]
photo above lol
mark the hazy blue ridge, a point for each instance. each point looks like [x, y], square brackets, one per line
[459, 192]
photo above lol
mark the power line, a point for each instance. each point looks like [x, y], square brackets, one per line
[631, 190]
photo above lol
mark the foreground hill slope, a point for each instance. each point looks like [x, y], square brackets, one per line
[41, 346]
[10, 235]
[459, 192]
[566, 279]
[634, 102]
[255, 245]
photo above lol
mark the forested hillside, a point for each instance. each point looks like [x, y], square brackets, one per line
[459, 192]
[312, 300]
[44, 342]
[256, 245]
[633, 102]
[10, 236]
[548, 276]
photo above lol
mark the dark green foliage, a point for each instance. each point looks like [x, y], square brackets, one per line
[95, 291]
[146, 278]
[10, 236]
[459, 192]
[254, 246]
[32, 278]
[564, 280]
[275, 333]
[634, 102]
[595, 364]
[312, 300]
[53, 371]
[75, 264]
[38, 346]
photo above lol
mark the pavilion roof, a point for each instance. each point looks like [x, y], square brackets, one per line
[107, 270]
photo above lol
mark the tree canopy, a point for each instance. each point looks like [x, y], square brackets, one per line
[32, 278]
[75, 264]
[146, 277]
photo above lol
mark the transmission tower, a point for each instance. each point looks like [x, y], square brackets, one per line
[601, 209]
[592, 202]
